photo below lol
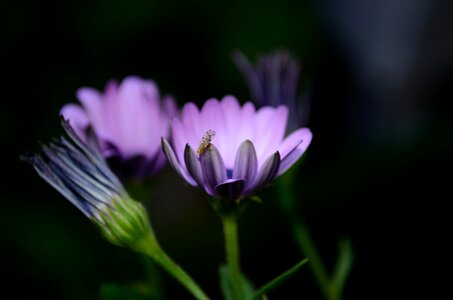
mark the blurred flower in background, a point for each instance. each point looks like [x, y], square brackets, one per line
[248, 151]
[128, 119]
[274, 80]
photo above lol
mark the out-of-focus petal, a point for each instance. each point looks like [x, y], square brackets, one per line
[170, 106]
[77, 118]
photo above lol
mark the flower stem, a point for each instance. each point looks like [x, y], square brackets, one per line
[302, 236]
[230, 229]
[153, 250]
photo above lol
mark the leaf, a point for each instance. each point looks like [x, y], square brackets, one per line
[279, 279]
[344, 264]
[227, 290]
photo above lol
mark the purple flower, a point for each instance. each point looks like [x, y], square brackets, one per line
[274, 80]
[231, 150]
[129, 119]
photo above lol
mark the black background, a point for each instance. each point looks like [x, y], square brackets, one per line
[379, 74]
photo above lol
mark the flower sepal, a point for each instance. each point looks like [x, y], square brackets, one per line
[225, 207]
[126, 224]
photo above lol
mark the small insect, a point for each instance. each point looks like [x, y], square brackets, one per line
[205, 141]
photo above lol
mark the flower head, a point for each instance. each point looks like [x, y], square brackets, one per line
[79, 172]
[240, 149]
[273, 81]
[129, 119]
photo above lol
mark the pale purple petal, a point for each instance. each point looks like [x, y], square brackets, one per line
[246, 163]
[213, 118]
[293, 140]
[297, 152]
[232, 113]
[246, 126]
[91, 100]
[268, 170]
[193, 165]
[136, 107]
[77, 118]
[231, 189]
[213, 168]
[271, 125]
[192, 125]
[179, 138]
[170, 106]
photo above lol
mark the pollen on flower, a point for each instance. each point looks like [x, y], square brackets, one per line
[205, 141]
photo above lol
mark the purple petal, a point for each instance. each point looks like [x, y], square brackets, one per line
[170, 154]
[230, 189]
[271, 125]
[179, 138]
[246, 163]
[300, 140]
[136, 110]
[212, 117]
[193, 165]
[213, 168]
[249, 75]
[268, 170]
[91, 100]
[170, 106]
[190, 120]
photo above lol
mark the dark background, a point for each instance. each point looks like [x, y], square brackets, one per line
[379, 74]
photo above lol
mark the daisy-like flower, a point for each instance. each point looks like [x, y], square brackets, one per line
[129, 119]
[230, 150]
[274, 80]
[79, 172]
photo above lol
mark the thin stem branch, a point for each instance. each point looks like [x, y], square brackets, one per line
[304, 240]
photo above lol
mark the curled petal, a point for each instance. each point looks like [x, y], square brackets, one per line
[246, 163]
[268, 170]
[174, 162]
[193, 165]
[299, 146]
[213, 168]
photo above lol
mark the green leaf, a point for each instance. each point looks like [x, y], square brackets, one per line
[344, 264]
[279, 279]
[227, 290]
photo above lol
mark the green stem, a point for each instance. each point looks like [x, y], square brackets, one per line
[307, 246]
[153, 277]
[153, 250]
[304, 240]
[230, 229]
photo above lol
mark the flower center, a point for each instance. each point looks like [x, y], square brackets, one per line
[205, 141]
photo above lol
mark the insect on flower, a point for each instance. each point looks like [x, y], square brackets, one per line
[205, 141]
[250, 149]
